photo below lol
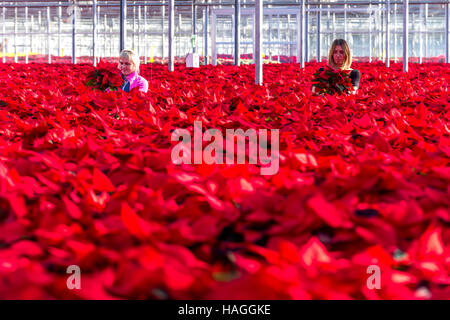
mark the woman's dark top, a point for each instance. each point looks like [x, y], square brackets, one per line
[355, 77]
[126, 84]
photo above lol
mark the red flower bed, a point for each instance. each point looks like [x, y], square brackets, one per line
[86, 179]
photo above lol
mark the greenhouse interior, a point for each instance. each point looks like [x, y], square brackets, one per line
[71, 29]
[225, 150]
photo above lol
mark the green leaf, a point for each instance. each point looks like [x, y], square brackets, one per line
[226, 276]
[237, 205]
[401, 268]
[399, 254]
[160, 294]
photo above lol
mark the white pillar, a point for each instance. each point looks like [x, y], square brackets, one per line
[213, 40]
[163, 37]
[258, 41]
[32, 36]
[388, 34]
[99, 16]
[421, 35]
[139, 32]
[111, 43]
[380, 33]
[145, 36]
[123, 25]
[4, 34]
[237, 32]
[345, 20]
[59, 29]
[26, 35]
[171, 34]
[40, 41]
[370, 34]
[319, 14]
[205, 33]
[15, 35]
[134, 26]
[301, 35]
[447, 40]
[94, 32]
[49, 49]
[105, 27]
[278, 28]
[395, 33]
[74, 39]
[405, 34]
[254, 39]
[426, 29]
[306, 33]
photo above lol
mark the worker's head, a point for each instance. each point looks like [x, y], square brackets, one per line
[128, 62]
[340, 56]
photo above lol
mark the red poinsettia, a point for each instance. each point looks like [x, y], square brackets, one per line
[332, 81]
[104, 77]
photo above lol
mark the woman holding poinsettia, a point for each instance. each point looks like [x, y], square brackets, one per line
[337, 76]
[129, 67]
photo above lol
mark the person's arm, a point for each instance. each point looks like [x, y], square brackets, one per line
[143, 85]
[355, 77]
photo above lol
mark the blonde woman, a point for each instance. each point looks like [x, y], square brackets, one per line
[340, 57]
[129, 67]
